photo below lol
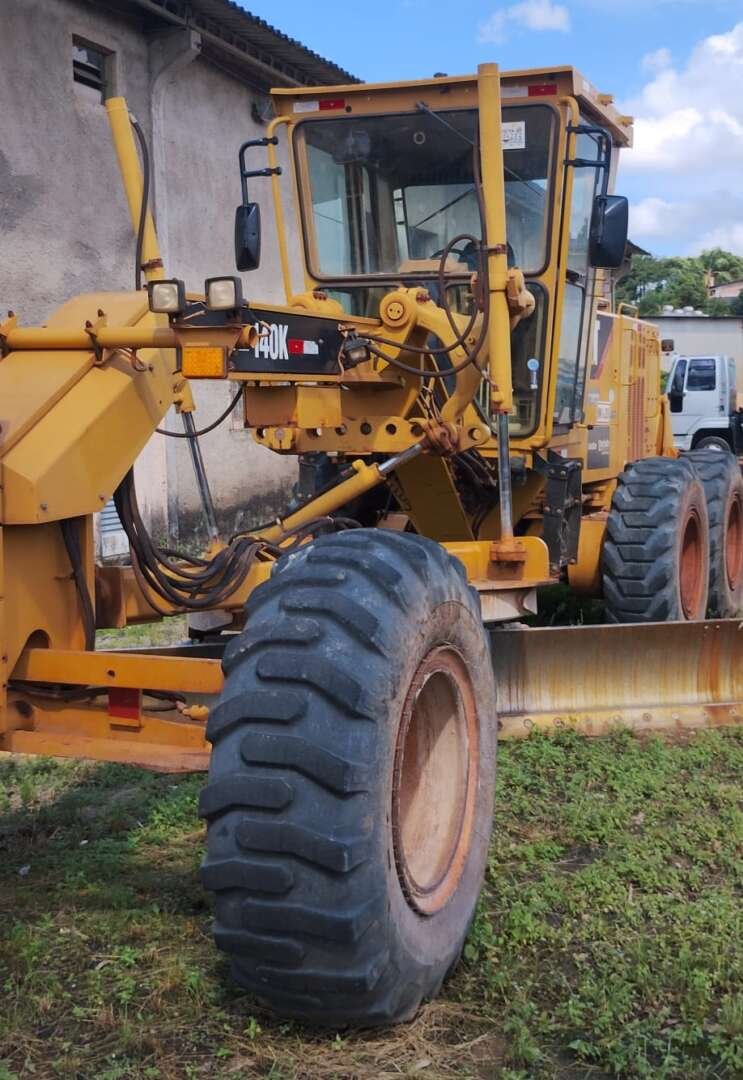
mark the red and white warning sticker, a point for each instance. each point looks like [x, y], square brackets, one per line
[274, 343]
[302, 347]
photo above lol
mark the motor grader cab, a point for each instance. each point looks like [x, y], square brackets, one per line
[453, 347]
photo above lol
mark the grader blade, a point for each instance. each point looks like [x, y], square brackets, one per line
[664, 677]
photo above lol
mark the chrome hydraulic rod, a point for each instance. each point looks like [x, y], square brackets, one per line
[504, 479]
[362, 479]
[400, 459]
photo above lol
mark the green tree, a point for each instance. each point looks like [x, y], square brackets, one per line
[680, 281]
[726, 266]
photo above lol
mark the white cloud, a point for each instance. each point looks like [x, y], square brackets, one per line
[688, 147]
[729, 237]
[687, 115]
[651, 217]
[527, 15]
[657, 60]
[690, 224]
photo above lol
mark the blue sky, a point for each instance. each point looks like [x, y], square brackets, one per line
[676, 65]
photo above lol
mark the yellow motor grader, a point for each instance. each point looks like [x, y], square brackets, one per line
[473, 419]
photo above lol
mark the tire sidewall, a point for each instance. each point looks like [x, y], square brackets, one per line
[692, 499]
[732, 595]
[433, 940]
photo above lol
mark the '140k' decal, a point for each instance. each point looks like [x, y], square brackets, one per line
[274, 343]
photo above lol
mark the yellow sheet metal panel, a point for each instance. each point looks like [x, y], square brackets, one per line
[426, 491]
[585, 574]
[40, 595]
[121, 309]
[72, 459]
[31, 383]
[477, 557]
[74, 422]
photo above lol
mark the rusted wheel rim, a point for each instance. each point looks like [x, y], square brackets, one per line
[734, 543]
[691, 566]
[435, 780]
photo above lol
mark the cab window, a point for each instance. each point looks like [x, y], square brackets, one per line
[701, 374]
[572, 349]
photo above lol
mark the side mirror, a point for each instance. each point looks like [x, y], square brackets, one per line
[676, 400]
[608, 234]
[248, 236]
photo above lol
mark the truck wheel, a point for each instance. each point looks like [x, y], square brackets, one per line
[716, 443]
[655, 559]
[350, 792]
[723, 486]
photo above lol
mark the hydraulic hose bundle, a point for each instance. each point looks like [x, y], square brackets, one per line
[189, 583]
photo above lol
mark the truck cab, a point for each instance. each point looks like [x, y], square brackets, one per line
[702, 394]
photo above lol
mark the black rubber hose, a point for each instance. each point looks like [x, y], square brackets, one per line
[72, 546]
[210, 427]
[145, 200]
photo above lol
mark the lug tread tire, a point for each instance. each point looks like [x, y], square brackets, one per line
[721, 476]
[298, 839]
[640, 552]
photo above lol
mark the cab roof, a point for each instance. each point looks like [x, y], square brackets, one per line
[459, 91]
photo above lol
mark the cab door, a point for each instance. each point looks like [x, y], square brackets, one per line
[701, 394]
[676, 383]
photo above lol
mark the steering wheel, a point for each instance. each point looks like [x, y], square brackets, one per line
[468, 254]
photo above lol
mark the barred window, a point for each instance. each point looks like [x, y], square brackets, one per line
[90, 70]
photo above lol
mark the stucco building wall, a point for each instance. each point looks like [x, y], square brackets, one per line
[65, 229]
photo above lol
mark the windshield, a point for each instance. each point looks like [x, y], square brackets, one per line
[389, 192]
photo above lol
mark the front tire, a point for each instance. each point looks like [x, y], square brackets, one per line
[351, 781]
[655, 559]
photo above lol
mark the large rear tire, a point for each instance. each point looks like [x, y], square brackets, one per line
[351, 781]
[655, 559]
[723, 485]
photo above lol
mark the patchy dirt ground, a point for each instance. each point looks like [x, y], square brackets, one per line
[607, 943]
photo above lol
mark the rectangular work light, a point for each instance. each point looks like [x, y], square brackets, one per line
[223, 293]
[167, 297]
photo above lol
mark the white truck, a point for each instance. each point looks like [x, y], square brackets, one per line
[705, 407]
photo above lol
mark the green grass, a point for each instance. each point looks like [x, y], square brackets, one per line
[170, 631]
[607, 941]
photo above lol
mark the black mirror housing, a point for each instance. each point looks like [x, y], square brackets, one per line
[608, 234]
[248, 236]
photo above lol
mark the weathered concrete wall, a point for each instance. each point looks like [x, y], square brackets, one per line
[64, 225]
[205, 116]
[704, 335]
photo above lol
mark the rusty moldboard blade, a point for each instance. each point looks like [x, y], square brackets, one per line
[667, 677]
